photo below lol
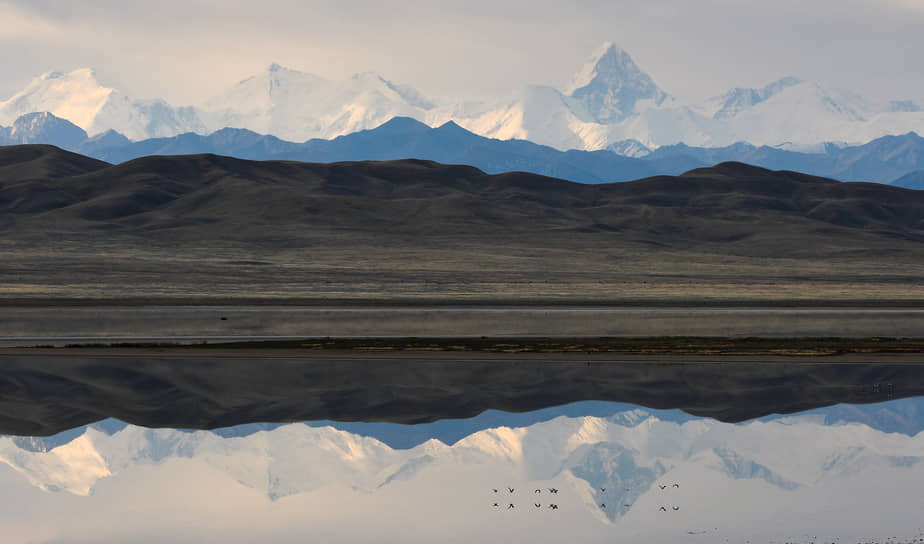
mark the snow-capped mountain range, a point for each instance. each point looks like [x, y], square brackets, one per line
[611, 103]
[78, 97]
[613, 476]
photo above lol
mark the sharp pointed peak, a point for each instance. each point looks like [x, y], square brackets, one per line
[611, 83]
[788, 80]
[609, 55]
[781, 84]
[450, 125]
[276, 74]
[86, 73]
[369, 76]
[403, 124]
[38, 117]
[276, 68]
[609, 62]
[606, 49]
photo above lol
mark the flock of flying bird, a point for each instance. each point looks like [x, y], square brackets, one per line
[554, 491]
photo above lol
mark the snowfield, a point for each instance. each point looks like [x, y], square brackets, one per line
[611, 101]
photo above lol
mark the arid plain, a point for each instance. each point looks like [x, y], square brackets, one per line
[215, 230]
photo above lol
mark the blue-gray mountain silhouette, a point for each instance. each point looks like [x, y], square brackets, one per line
[885, 160]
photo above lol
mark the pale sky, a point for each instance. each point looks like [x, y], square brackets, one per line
[187, 50]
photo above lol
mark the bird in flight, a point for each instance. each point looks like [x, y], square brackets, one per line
[553, 506]
[663, 509]
[495, 505]
[537, 505]
[602, 490]
[663, 487]
[509, 506]
[495, 490]
[510, 489]
[603, 505]
[538, 491]
[553, 490]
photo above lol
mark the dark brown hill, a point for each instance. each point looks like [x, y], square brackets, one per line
[36, 162]
[211, 194]
[374, 216]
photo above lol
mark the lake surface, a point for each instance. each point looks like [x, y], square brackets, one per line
[235, 446]
[49, 391]
[584, 472]
[63, 325]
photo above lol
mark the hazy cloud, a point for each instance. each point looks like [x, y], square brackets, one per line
[16, 23]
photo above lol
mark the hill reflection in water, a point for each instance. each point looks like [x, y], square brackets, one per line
[47, 394]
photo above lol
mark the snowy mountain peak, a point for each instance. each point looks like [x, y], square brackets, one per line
[273, 78]
[372, 82]
[79, 73]
[606, 57]
[739, 99]
[782, 83]
[30, 121]
[629, 148]
[43, 127]
[76, 96]
[297, 106]
[611, 85]
[51, 75]
[278, 70]
[368, 77]
[611, 103]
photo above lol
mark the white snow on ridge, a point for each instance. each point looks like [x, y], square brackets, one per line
[79, 98]
[297, 106]
[76, 96]
[610, 100]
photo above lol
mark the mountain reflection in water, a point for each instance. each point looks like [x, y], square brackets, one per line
[46, 394]
[592, 471]
[404, 447]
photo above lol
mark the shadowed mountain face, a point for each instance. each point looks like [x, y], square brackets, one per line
[882, 160]
[211, 197]
[43, 128]
[914, 180]
[399, 138]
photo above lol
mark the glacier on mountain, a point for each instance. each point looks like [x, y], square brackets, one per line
[610, 101]
[298, 106]
[78, 97]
